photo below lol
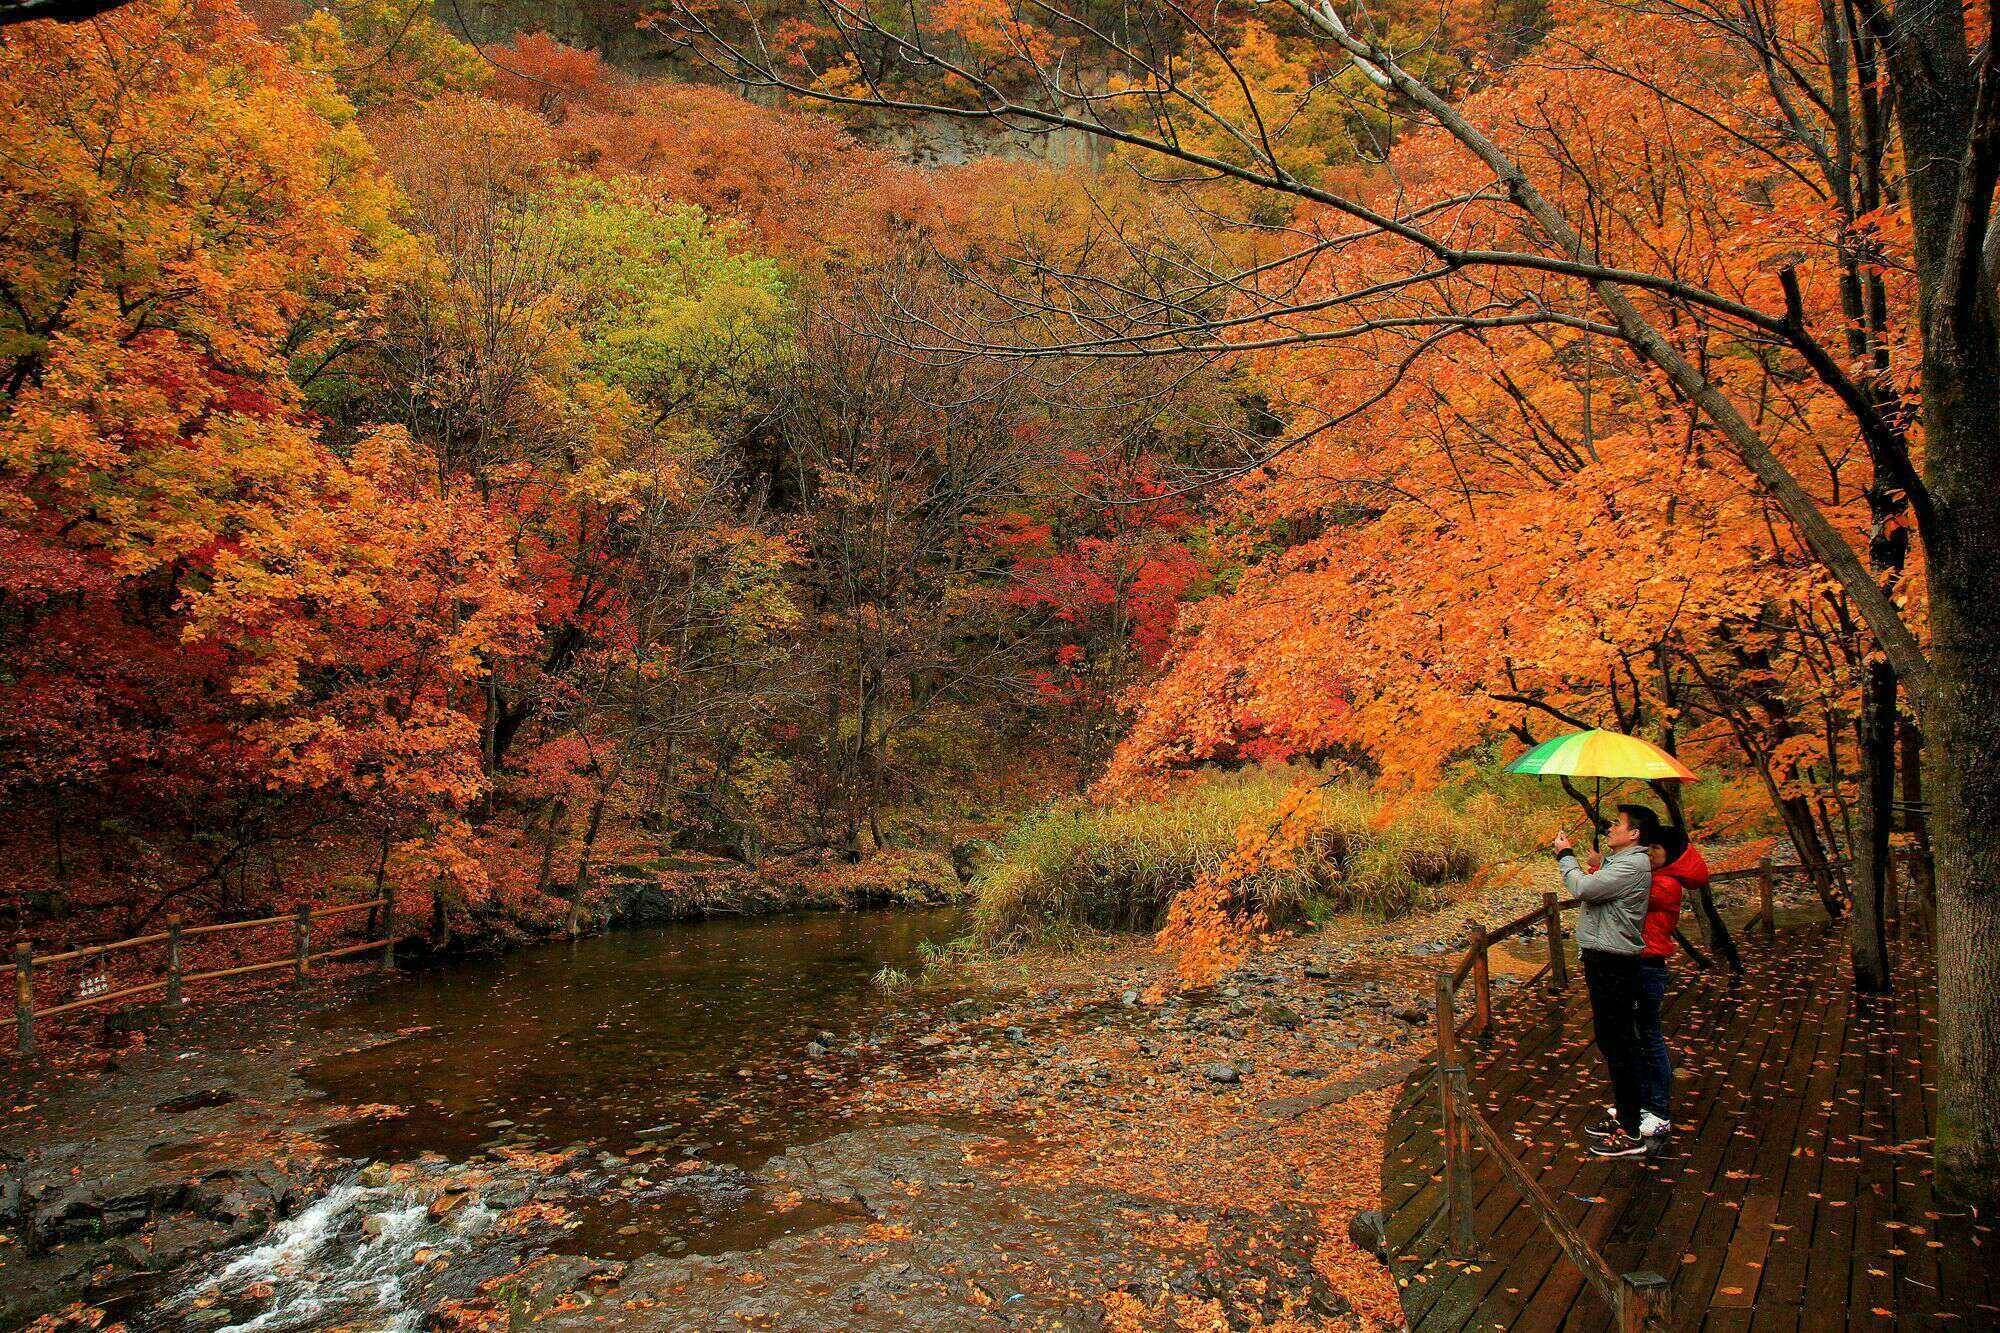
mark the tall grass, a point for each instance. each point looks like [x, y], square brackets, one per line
[1074, 865]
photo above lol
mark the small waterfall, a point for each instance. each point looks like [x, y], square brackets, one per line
[346, 1260]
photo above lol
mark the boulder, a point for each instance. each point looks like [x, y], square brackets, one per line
[1365, 1229]
[449, 1202]
[1277, 1015]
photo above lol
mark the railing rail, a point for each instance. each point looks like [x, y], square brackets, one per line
[300, 958]
[1638, 1300]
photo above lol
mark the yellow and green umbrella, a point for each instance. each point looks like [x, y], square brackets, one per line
[1601, 754]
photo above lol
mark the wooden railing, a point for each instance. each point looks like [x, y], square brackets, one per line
[300, 958]
[1637, 1300]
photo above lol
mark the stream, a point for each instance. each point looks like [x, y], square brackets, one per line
[669, 1062]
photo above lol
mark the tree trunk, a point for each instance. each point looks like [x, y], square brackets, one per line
[1964, 780]
[1868, 936]
[440, 923]
[1911, 795]
[381, 880]
[553, 822]
[1915, 820]
[1713, 926]
[1962, 752]
[573, 926]
[1946, 115]
[1804, 829]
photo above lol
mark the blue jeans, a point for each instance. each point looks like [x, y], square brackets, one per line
[1656, 1068]
[1613, 980]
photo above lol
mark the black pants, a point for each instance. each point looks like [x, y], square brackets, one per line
[1613, 979]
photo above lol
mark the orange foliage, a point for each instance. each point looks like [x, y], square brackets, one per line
[1522, 530]
[800, 182]
[1209, 927]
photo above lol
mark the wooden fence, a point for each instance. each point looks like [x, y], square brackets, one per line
[175, 976]
[1638, 1301]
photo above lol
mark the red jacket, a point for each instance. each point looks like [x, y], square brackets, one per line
[1686, 873]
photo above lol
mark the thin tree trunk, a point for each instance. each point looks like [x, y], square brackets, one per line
[573, 926]
[551, 832]
[1869, 933]
[1804, 829]
[381, 880]
[1915, 819]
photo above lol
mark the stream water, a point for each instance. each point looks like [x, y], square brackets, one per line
[713, 1045]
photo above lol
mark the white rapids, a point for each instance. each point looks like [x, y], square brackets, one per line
[345, 1260]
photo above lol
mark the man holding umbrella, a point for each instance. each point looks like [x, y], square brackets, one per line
[1610, 935]
[1611, 928]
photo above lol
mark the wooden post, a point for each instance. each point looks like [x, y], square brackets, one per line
[1453, 1134]
[388, 925]
[1553, 923]
[301, 937]
[1447, 1022]
[1764, 886]
[1643, 1302]
[174, 963]
[1482, 983]
[24, 997]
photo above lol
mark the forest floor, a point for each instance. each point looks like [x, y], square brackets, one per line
[1040, 1141]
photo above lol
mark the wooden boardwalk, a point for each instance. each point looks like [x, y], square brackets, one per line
[1795, 1196]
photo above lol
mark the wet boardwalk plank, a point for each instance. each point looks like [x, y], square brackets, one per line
[1796, 1194]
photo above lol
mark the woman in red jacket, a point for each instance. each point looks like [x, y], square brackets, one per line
[1678, 869]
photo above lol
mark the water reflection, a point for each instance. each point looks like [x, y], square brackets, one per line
[686, 1035]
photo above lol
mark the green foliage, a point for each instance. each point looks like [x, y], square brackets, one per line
[1116, 867]
[386, 53]
[673, 309]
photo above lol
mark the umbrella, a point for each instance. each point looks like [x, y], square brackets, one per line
[1601, 755]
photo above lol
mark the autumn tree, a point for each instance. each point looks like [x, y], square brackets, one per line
[890, 468]
[1520, 245]
[223, 632]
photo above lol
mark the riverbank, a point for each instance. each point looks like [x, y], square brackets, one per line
[638, 889]
[1053, 1138]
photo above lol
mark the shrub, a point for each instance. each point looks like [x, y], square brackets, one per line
[892, 981]
[1116, 867]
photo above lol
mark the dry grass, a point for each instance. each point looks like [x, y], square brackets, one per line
[1077, 866]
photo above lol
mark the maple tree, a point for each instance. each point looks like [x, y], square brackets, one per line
[183, 250]
[1108, 562]
[1208, 927]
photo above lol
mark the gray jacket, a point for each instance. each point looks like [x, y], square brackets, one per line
[1613, 916]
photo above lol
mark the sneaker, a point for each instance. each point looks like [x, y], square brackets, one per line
[1607, 1128]
[1654, 1126]
[1624, 1145]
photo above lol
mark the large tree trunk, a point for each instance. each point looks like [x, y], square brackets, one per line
[1869, 934]
[1947, 115]
[1963, 746]
[1962, 752]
